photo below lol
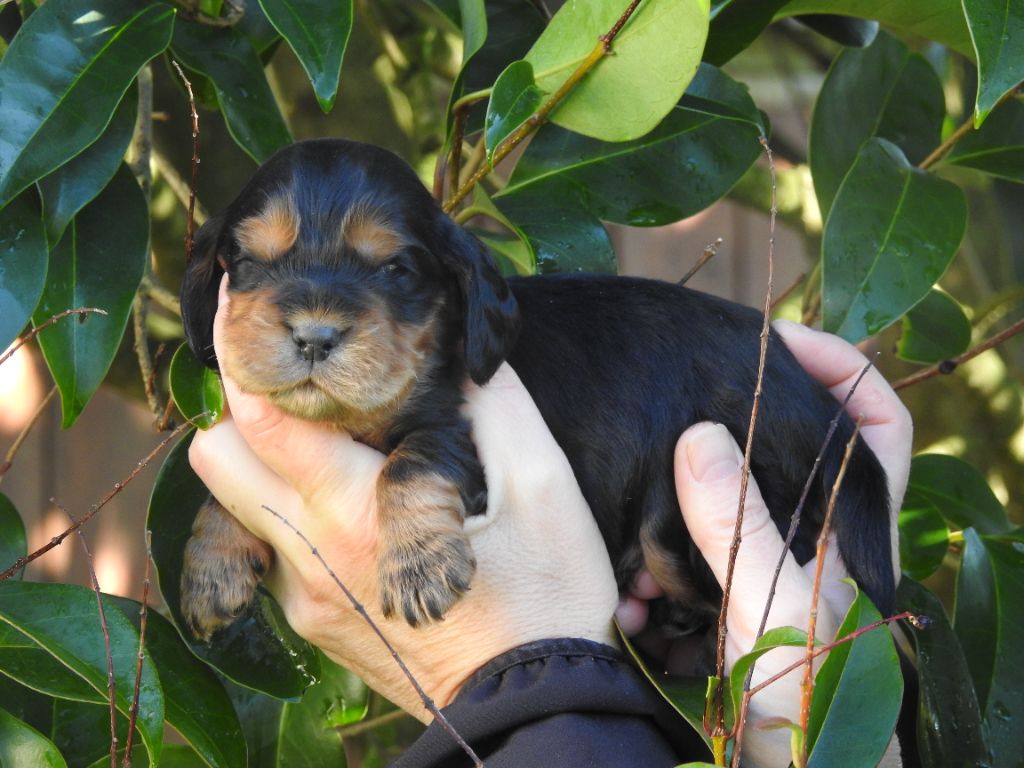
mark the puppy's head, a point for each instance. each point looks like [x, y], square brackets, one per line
[348, 285]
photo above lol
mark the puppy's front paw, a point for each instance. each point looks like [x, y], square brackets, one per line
[425, 561]
[223, 564]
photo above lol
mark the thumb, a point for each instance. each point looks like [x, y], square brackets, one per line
[708, 471]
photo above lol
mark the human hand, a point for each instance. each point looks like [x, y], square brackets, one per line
[541, 570]
[708, 466]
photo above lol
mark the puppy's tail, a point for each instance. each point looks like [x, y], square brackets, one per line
[861, 519]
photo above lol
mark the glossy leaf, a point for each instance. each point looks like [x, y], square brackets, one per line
[515, 97]
[63, 620]
[989, 621]
[259, 650]
[173, 756]
[196, 389]
[948, 719]
[939, 20]
[934, 330]
[779, 637]
[957, 491]
[997, 148]
[82, 731]
[857, 695]
[23, 261]
[513, 254]
[22, 745]
[693, 158]
[317, 31]
[735, 25]
[98, 263]
[996, 30]
[898, 97]
[64, 75]
[76, 183]
[13, 543]
[890, 235]
[33, 666]
[924, 538]
[656, 54]
[855, 33]
[197, 705]
[31, 707]
[233, 65]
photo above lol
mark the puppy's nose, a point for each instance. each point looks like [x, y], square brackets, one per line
[315, 341]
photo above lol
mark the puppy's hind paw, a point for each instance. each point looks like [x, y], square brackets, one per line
[223, 565]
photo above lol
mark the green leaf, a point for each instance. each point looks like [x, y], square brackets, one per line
[701, 148]
[82, 731]
[63, 620]
[259, 650]
[989, 621]
[76, 183]
[23, 260]
[957, 490]
[63, 76]
[997, 148]
[515, 97]
[22, 745]
[934, 330]
[31, 707]
[735, 25]
[25, 661]
[890, 235]
[317, 31]
[197, 705]
[939, 20]
[13, 543]
[98, 263]
[230, 61]
[948, 719]
[856, 33]
[173, 756]
[857, 695]
[898, 97]
[779, 637]
[924, 538]
[196, 389]
[996, 30]
[513, 254]
[625, 95]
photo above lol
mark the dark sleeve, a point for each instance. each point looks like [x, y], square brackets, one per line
[564, 703]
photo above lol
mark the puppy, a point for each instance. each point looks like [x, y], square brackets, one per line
[356, 301]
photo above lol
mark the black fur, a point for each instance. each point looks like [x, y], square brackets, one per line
[618, 367]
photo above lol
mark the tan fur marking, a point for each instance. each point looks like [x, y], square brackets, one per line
[271, 232]
[666, 570]
[369, 233]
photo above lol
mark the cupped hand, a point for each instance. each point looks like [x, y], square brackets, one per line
[542, 570]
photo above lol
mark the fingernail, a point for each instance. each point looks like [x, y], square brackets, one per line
[712, 453]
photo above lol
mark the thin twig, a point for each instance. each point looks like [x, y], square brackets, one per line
[710, 251]
[358, 606]
[80, 311]
[141, 346]
[602, 49]
[718, 729]
[20, 439]
[195, 162]
[807, 685]
[57, 540]
[951, 141]
[160, 295]
[458, 136]
[348, 731]
[787, 292]
[178, 186]
[133, 712]
[111, 682]
[142, 139]
[948, 366]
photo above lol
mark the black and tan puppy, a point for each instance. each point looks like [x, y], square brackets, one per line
[356, 301]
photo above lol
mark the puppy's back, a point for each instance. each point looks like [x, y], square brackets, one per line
[619, 367]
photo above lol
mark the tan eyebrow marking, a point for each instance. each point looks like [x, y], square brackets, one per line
[368, 231]
[272, 231]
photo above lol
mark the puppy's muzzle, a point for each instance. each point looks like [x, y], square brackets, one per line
[315, 341]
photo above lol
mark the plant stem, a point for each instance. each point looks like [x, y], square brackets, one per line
[951, 141]
[81, 311]
[20, 439]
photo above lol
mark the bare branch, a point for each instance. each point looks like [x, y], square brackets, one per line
[710, 251]
[81, 312]
[20, 439]
[195, 162]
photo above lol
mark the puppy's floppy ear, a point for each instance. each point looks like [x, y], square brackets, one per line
[491, 314]
[199, 289]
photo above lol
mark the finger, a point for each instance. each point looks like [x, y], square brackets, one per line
[887, 426]
[306, 455]
[708, 466]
